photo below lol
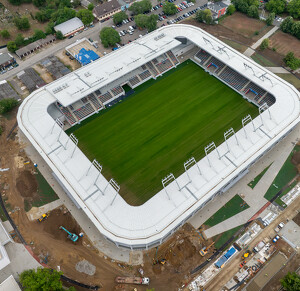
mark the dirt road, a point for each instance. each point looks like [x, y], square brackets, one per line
[229, 270]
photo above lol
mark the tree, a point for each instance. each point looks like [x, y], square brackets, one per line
[11, 46]
[42, 279]
[169, 8]
[141, 20]
[7, 104]
[140, 7]
[19, 40]
[62, 15]
[5, 33]
[286, 25]
[291, 282]
[22, 23]
[50, 28]
[276, 6]
[244, 5]
[59, 35]
[294, 63]
[152, 22]
[204, 16]
[230, 9]
[39, 3]
[264, 44]
[86, 16]
[109, 36]
[270, 18]
[42, 16]
[119, 17]
[295, 30]
[294, 8]
[75, 3]
[253, 11]
[90, 7]
[38, 34]
[15, 2]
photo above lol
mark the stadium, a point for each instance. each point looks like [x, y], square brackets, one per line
[179, 87]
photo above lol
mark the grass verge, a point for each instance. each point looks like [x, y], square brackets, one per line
[225, 236]
[262, 60]
[253, 183]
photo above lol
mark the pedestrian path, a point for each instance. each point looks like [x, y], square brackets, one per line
[278, 70]
[36, 212]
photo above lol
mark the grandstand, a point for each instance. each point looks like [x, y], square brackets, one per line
[89, 90]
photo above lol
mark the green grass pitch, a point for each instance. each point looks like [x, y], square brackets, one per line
[155, 130]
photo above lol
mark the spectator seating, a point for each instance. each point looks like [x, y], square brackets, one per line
[84, 111]
[145, 75]
[134, 81]
[220, 65]
[152, 69]
[172, 57]
[98, 93]
[94, 100]
[233, 78]
[202, 55]
[65, 111]
[164, 65]
[105, 97]
[255, 88]
[117, 90]
[269, 99]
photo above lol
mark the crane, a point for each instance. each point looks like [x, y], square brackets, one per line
[204, 250]
[72, 236]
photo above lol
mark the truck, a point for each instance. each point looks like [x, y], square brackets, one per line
[133, 280]
[258, 247]
[279, 226]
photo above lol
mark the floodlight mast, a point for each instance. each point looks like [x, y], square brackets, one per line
[227, 134]
[208, 149]
[167, 180]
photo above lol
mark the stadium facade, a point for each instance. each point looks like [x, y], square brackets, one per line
[45, 114]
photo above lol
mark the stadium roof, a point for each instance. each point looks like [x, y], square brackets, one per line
[149, 223]
[84, 57]
[69, 26]
[9, 284]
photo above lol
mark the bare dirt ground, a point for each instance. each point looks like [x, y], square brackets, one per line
[285, 43]
[67, 62]
[44, 74]
[297, 219]
[14, 11]
[46, 239]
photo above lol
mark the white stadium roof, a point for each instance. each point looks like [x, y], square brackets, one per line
[149, 223]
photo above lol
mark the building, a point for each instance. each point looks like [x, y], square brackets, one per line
[85, 3]
[106, 9]
[70, 27]
[84, 56]
[218, 9]
[9, 284]
[86, 91]
[4, 239]
[6, 60]
[32, 47]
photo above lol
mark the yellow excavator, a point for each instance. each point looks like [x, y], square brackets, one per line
[204, 250]
[43, 217]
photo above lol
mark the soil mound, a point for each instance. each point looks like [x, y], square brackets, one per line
[26, 184]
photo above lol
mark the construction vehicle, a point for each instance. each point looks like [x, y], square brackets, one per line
[133, 280]
[72, 236]
[43, 217]
[204, 250]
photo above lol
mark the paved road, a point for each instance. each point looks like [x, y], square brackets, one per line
[92, 33]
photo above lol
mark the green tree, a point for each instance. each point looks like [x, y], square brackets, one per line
[86, 16]
[5, 33]
[243, 5]
[22, 23]
[270, 18]
[276, 6]
[42, 16]
[109, 36]
[59, 35]
[294, 63]
[141, 20]
[42, 279]
[7, 104]
[204, 16]
[230, 9]
[294, 8]
[62, 15]
[152, 22]
[253, 11]
[75, 3]
[169, 8]
[286, 25]
[291, 282]
[295, 30]
[91, 6]
[140, 7]
[264, 44]
[15, 2]
[39, 3]
[119, 17]
[19, 40]
[11, 46]
[38, 34]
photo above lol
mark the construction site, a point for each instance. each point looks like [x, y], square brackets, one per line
[56, 240]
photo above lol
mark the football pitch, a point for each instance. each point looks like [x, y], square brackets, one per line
[155, 130]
